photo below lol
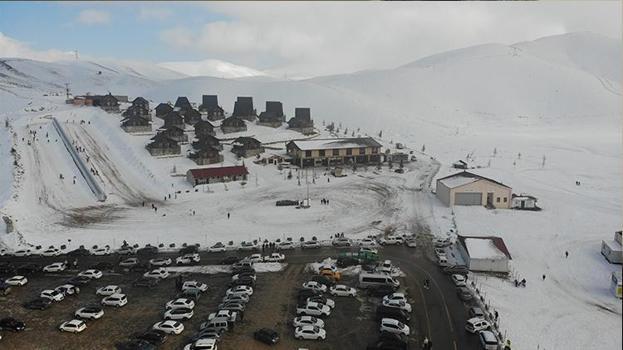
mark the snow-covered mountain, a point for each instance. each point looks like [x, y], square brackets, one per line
[212, 68]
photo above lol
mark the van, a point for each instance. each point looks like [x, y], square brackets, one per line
[376, 279]
[219, 325]
[488, 340]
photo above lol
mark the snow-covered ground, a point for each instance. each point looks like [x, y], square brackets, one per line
[536, 116]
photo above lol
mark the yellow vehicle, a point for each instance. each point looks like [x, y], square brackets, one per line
[333, 275]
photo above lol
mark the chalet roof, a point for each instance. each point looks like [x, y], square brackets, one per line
[203, 124]
[246, 141]
[464, 178]
[182, 102]
[159, 137]
[132, 108]
[485, 247]
[208, 138]
[203, 173]
[232, 121]
[173, 116]
[270, 117]
[320, 144]
[275, 108]
[302, 113]
[209, 101]
[167, 107]
[206, 149]
[139, 100]
[135, 119]
[243, 106]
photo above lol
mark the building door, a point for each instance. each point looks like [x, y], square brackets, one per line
[523, 204]
[490, 198]
[468, 198]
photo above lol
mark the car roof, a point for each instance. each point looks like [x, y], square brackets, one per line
[389, 320]
[488, 336]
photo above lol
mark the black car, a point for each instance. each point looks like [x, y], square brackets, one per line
[266, 336]
[149, 250]
[381, 291]
[189, 250]
[103, 266]
[79, 252]
[392, 312]
[456, 270]
[154, 337]
[308, 293]
[239, 269]
[146, 282]
[323, 280]
[243, 281]
[78, 281]
[139, 268]
[11, 324]
[346, 261]
[38, 304]
[190, 293]
[135, 344]
[28, 268]
[230, 260]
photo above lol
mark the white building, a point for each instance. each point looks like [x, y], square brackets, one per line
[524, 202]
[611, 250]
[466, 188]
[485, 253]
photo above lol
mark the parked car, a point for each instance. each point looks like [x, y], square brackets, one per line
[341, 290]
[381, 290]
[346, 261]
[73, 326]
[313, 285]
[442, 242]
[126, 250]
[310, 245]
[287, 245]
[52, 294]
[117, 300]
[179, 313]
[475, 311]
[233, 306]
[160, 262]
[108, 290]
[396, 296]
[217, 247]
[38, 304]
[68, 289]
[146, 282]
[89, 312]
[266, 336]
[55, 267]
[188, 259]
[368, 242]
[207, 334]
[153, 336]
[368, 251]
[313, 309]
[310, 332]
[236, 297]
[274, 257]
[247, 274]
[202, 344]
[92, 274]
[456, 269]
[307, 321]
[190, 293]
[101, 251]
[248, 246]
[464, 293]
[180, 303]
[51, 252]
[157, 273]
[385, 267]
[394, 326]
[78, 281]
[391, 240]
[230, 260]
[459, 280]
[392, 312]
[148, 250]
[254, 258]
[411, 242]
[246, 290]
[227, 315]
[22, 253]
[169, 327]
[79, 252]
[342, 242]
[16, 281]
[194, 285]
[129, 262]
[488, 340]
[11, 324]
[399, 304]
[476, 324]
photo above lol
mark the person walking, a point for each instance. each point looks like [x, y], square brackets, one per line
[566, 254]
[543, 277]
[228, 215]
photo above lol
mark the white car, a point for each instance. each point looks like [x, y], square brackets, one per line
[160, 262]
[310, 245]
[341, 290]
[285, 246]
[274, 257]
[394, 326]
[308, 321]
[243, 298]
[89, 312]
[396, 297]
[92, 274]
[3, 252]
[368, 242]
[477, 324]
[459, 280]
[51, 252]
[126, 250]
[386, 267]
[108, 290]
[23, 252]
[321, 300]
[188, 259]
[248, 246]
[117, 300]
[254, 258]
[73, 326]
[310, 332]
[240, 290]
[202, 344]
[315, 286]
[55, 267]
[101, 251]
[157, 273]
[68, 289]
[52, 294]
[179, 313]
[218, 247]
[391, 240]
[129, 262]
[313, 309]
[398, 304]
[169, 327]
[180, 303]
[16, 281]
[194, 285]
[227, 315]
[237, 276]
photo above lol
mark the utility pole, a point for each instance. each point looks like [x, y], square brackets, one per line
[76, 54]
[67, 92]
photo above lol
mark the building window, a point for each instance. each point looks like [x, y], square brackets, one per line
[505, 199]
[362, 150]
[321, 153]
[336, 152]
[349, 151]
[375, 150]
[308, 154]
[498, 200]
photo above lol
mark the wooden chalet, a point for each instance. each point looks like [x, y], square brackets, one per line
[233, 124]
[302, 121]
[206, 155]
[141, 102]
[273, 116]
[174, 118]
[136, 111]
[135, 124]
[209, 106]
[207, 140]
[163, 109]
[191, 115]
[204, 127]
[218, 174]
[109, 103]
[183, 103]
[327, 152]
[174, 133]
[247, 147]
[243, 108]
[163, 145]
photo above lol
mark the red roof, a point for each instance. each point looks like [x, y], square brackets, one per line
[219, 172]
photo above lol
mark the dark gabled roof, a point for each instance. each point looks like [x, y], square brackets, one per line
[139, 100]
[243, 107]
[182, 102]
[269, 117]
[209, 101]
[497, 241]
[232, 121]
[173, 115]
[203, 173]
[162, 137]
[302, 113]
[203, 150]
[203, 124]
[275, 108]
[474, 176]
[246, 141]
[135, 119]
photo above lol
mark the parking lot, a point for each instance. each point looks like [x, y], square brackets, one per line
[351, 325]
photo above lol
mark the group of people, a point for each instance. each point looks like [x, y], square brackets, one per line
[521, 283]
[324, 201]
[269, 245]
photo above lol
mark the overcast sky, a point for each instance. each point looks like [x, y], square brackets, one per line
[300, 39]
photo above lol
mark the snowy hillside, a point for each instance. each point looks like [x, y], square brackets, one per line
[538, 116]
[212, 68]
